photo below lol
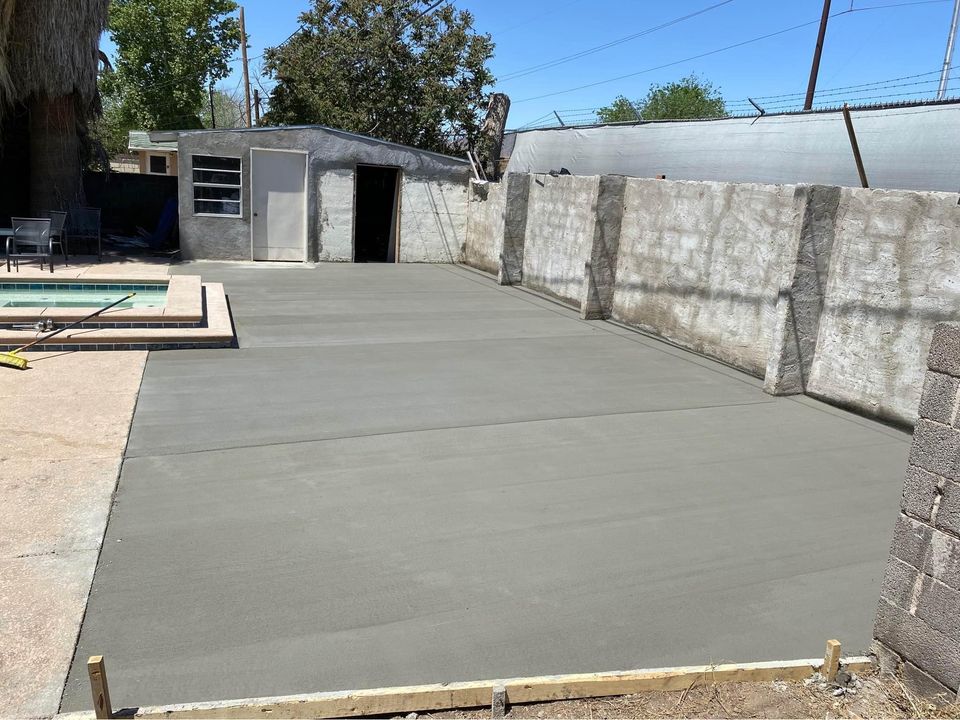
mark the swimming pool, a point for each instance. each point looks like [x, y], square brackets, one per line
[81, 295]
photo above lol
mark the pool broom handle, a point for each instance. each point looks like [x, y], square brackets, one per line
[73, 324]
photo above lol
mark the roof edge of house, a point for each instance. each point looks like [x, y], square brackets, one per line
[169, 135]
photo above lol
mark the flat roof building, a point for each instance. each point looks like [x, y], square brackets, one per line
[315, 193]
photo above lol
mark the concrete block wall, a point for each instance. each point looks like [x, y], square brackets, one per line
[828, 291]
[894, 273]
[433, 220]
[917, 629]
[703, 263]
[560, 228]
[485, 221]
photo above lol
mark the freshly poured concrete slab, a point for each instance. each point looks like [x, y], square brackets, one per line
[362, 514]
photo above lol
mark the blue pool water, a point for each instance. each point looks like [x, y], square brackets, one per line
[83, 294]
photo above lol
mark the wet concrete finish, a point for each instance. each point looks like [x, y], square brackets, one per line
[382, 486]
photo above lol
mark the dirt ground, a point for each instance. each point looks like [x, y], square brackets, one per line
[877, 697]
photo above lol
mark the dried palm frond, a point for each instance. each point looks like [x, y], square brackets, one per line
[6, 20]
[50, 48]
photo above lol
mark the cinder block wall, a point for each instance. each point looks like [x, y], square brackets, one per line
[917, 630]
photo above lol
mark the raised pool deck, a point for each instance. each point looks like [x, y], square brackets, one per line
[407, 474]
[194, 314]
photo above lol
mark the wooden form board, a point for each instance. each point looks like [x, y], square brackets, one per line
[420, 698]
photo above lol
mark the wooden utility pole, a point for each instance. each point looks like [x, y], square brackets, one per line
[256, 107]
[246, 68]
[213, 116]
[815, 69]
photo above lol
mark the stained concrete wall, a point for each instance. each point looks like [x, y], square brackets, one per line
[822, 290]
[560, 227]
[515, 216]
[432, 204]
[917, 629]
[600, 273]
[800, 303]
[894, 273]
[702, 263]
[485, 220]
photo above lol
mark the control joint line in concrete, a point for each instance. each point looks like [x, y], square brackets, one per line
[409, 431]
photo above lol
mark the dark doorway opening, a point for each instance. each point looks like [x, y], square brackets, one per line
[375, 214]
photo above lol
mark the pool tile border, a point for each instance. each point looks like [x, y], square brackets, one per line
[214, 331]
[184, 306]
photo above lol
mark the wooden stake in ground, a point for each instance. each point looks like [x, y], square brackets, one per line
[98, 686]
[831, 661]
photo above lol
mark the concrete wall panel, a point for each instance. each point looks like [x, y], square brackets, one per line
[485, 221]
[702, 264]
[433, 220]
[561, 222]
[894, 273]
[334, 202]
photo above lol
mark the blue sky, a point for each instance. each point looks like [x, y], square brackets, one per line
[863, 46]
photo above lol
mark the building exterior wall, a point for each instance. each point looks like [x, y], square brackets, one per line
[143, 160]
[433, 194]
[433, 220]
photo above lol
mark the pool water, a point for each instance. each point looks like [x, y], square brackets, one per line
[81, 295]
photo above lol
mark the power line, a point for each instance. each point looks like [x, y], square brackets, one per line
[787, 100]
[598, 48]
[723, 49]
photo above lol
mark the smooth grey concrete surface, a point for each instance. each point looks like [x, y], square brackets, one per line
[407, 474]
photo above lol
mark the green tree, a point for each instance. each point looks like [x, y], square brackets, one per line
[687, 98]
[168, 52]
[398, 71]
[620, 110]
[110, 130]
[228, 109]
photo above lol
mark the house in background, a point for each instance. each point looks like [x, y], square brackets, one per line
[315, 193]
[148, 157]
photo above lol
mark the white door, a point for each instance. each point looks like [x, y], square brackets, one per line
[278, 197]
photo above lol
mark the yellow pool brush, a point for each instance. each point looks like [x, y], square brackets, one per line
[13, 359]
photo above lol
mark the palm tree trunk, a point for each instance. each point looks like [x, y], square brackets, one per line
[56, 181]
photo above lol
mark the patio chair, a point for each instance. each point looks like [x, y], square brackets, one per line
[30, 239]
[84, 224]
[58, 232]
